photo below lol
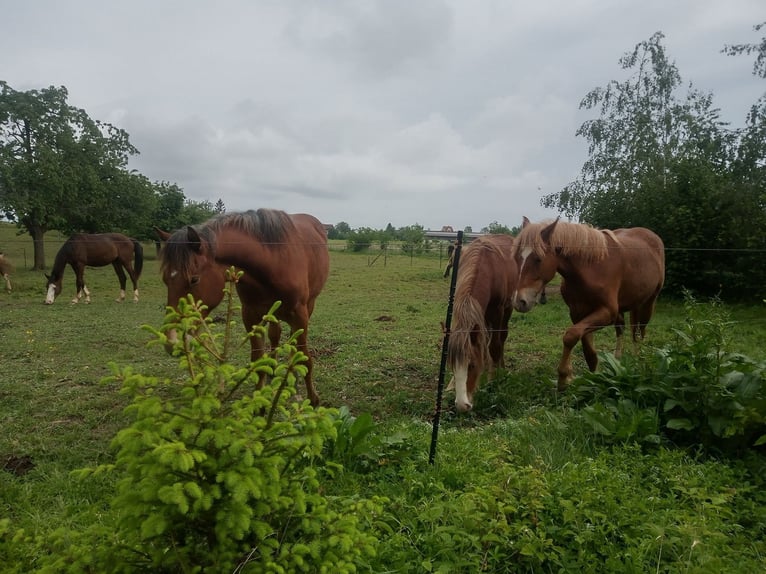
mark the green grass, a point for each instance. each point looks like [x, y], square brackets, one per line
[376, 337]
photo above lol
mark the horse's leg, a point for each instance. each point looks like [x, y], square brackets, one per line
[7, 282]
[619, 329]
[123, 280]
[252, 316]
[498, 336]
[133, 279]
[589, 351]
[275, 334]
[300, 320]
[640, 318]
[588, 324]
[79, 273]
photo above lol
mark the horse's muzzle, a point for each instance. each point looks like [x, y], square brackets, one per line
[525, 300]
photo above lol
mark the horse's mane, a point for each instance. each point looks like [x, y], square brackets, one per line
[571, 239]
[467, 312]
[267, 226]
[470, 264]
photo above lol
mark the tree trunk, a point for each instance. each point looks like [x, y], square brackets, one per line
[38, 241]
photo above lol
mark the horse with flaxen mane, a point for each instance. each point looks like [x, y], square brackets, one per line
[5, 271]
[605, 273]
[96, 250]
[483, 304]
[284, 258]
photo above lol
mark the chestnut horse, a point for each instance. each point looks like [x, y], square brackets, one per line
[284, 258]
[605, 273]
[96, 250]
[483, 303]
[5, 271]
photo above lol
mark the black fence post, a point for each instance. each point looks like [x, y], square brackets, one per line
[445, 343]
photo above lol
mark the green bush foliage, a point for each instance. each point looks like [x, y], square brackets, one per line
[693, 391]
[218, 474]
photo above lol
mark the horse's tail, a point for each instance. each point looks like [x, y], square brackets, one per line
[469, 338]
[138, 255]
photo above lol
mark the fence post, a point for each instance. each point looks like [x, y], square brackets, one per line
[445, 343]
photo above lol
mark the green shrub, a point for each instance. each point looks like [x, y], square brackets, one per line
[358, 446]
[692, 391]
[217, 474]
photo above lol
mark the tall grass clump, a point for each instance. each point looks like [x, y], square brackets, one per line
[216, 473]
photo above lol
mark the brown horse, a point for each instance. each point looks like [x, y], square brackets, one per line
[284, 258]
[5, 271]
[486, 279]
[96, 250]
[605, 273]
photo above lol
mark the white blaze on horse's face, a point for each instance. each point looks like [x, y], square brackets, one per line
[524, 299]
[463, 402]
[50, 296]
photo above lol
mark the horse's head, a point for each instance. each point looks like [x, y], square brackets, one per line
[537, 261]
[188, 266]
[52, 288]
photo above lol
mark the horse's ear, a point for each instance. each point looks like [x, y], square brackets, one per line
[195, 241]
[163, 235]
[547, 232]
[525, 222]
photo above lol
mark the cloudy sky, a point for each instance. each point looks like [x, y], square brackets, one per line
[435, 112]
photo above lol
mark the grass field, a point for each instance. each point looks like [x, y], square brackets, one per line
[375, 335]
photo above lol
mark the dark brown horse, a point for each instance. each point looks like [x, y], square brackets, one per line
[96, 250]
[284, 258]
[5, 271]
[605, 273]
[486, 279]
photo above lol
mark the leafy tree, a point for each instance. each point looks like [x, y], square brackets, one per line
[642, 128]
[57, 165]
[170, 204]
[413, 238]
[759, 66]
[665, 162]
[496, 227]
[339, 231]
[362, 238]
[219, 206]
[195, 212]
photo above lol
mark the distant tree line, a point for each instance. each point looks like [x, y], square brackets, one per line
[61, 170]
[665, 160]
[410, 239]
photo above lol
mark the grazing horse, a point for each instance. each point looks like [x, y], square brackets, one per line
[5, 271]
[96, 250]
[284, 258]
[483, 303]
[605, 273]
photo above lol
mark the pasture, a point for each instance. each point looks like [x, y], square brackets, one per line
[376, 341]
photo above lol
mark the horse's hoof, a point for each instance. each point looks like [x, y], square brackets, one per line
[563, 385]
